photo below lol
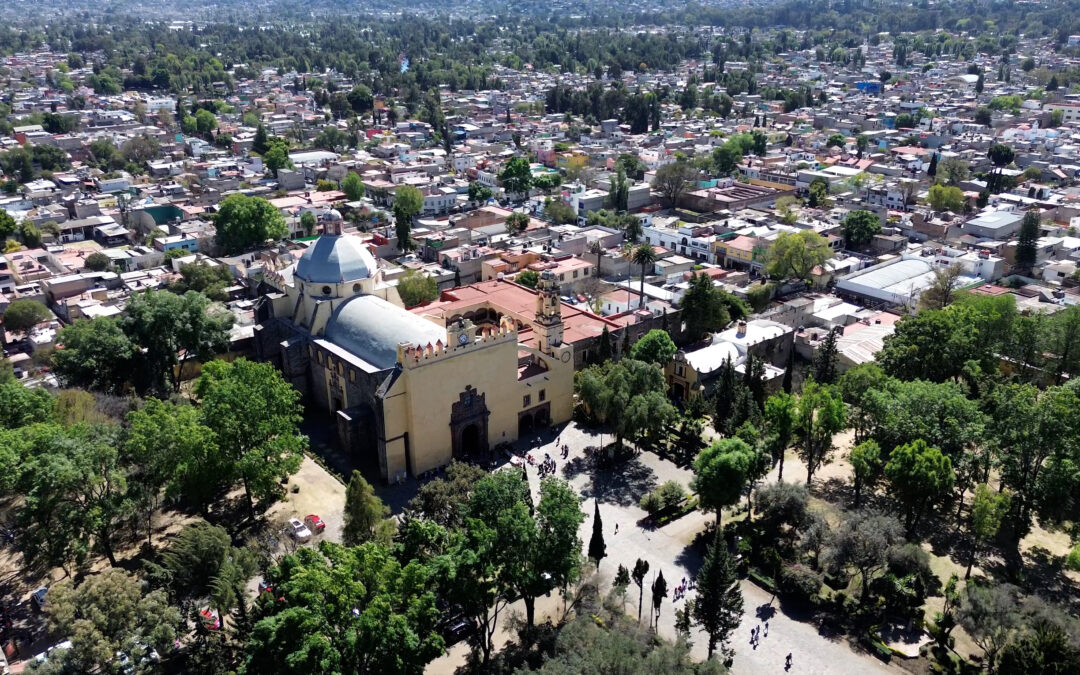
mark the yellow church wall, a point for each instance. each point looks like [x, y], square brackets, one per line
[558, 387]
[395, 415]
[434, 387]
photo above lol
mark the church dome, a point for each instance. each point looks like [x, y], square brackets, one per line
[371, 328]
[336, 259]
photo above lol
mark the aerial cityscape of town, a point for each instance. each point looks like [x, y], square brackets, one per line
[465, 337]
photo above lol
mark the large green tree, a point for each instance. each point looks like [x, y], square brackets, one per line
[408, 201]
[819, 414]
[655, 346]
[920, 476]
[516, 177]
[860, 227]
[95, 354]
[255, 416]
[22, 315]
[629, 395]
[244, 222]
[111, 618]
[346, 610]
[1028, 240]
[721, 472]
[794, 255]
[365, 517]
[702, 308]
[172, 330]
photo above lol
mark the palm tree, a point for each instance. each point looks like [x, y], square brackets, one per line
[643, 255]
[598, 250]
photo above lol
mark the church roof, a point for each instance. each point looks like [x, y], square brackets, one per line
[371, 328]
[336, 259]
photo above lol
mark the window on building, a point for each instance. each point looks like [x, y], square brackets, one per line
[543, 395]
[319, 358]
[575, 274]
[526, 400]
[352, 376]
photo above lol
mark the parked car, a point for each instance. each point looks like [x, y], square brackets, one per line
[51, 651]
[314, 523]
[299, 531]
[37, 599]
[210, 618]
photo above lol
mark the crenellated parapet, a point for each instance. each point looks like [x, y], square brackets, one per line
[461, 337]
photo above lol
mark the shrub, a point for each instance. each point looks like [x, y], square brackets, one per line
[799, 582]
[667, 496]
[1073, 559]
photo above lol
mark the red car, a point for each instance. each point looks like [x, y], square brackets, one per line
[314, 523]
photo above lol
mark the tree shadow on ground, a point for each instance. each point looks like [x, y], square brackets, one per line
[690, 558]
[623, 483]
[1044, 575]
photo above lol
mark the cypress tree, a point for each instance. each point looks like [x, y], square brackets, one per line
[597, 547]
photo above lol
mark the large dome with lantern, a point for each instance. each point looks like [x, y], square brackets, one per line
[334, 259]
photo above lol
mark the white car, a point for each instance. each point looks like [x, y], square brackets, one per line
[299, 531]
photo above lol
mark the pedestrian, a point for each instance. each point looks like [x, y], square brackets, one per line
[787, 664]
[616, 528]
[766, 629]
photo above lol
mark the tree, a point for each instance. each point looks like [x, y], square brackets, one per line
[8, 226]
[818, 193]
[629, 395]
[988, 511]
[862, 541]
[1000, 155]
[76, 495]
[920, 477]
[862, 142]
[408, 201]
[952, 170]
[946, 198]
[360, 99]
[97, 262]
[824, 369]
[244, 222]
[140, 150]
[984, 116]
[560, 212]
[261, 144]
[533, 549]
[597, 547]
[516, 223]
[254, 414]
[721, 472]
[172, 330]
[276, 156]
[416, 288]
[645, 256]
[347, 610]
[22, 315]
[673, 180]
[174, 450]
[443, 500]
[308, 222]
[659, 592]
[819, 415]
[205, 122]
[353, 187]
[527, 278]
[365, 516]
[211, 281]
[110, 617]
[195, 557]
[1028, 241]
[96, 354]
[516, 177]
[989, 614]
[718, 607]
[795, 254]
[619, 192]
[702, 308]
[780, 425]
[640, 571]
[865, 461]
[478, 192]
[932, 169]
[836, 141]
[655, 347]
[1046, 648]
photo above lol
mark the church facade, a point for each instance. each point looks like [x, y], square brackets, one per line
[415, 391]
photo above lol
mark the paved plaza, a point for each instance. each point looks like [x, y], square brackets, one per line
[618, 490]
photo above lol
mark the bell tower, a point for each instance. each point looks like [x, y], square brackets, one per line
[549, 324]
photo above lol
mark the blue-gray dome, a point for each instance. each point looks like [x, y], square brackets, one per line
[336, 259]
[371, 328]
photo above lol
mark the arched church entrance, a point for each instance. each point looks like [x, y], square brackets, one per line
[525, 424]
[470, 440]
[469, 425]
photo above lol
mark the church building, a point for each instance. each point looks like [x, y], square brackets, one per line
[415, 390]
